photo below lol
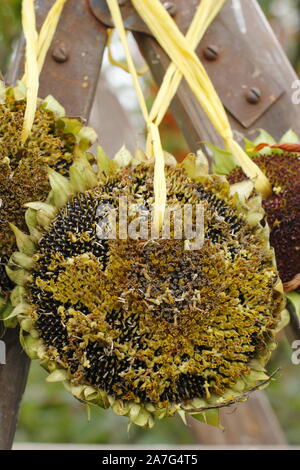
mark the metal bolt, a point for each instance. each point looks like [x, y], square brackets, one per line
[60, 53]
[211, 52]
[253, 95]
[171, 8]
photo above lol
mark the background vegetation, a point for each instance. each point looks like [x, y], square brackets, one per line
[48, 413]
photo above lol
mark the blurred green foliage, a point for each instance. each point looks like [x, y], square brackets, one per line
[284, 16]
[9, 28]
[284, 391]
[49, 414]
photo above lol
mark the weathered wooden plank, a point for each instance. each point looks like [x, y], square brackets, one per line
[13, 376]
[72, 66]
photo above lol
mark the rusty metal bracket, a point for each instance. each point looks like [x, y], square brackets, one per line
[181, 11]
[74, 60]
[246, 91]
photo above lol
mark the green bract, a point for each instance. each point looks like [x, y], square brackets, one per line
[55, 142]
[143, 325]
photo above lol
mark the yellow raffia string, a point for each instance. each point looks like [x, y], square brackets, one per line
[118, 63]
[48, 30]
[37, 47]
[184, 58]
[31, 65]
[204, 16]
[154, 148]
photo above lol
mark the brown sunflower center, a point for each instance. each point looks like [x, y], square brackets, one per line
[149, 320]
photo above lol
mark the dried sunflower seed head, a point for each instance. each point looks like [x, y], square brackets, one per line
[146, 326]
[281, 164]
[55, 142]
[282, 208]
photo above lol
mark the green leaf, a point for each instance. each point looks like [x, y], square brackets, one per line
[22, 260]
[123, 157]
[182, 415]
[14, 312]
[290, 137]
[82, 175]
[5, 312]
[294, 299]
[196, 165]
[104, 164]
[211, 417]
[87, 137]
[248, 145]
[61, 188]
[30, 218]
[2, 92]
[102, 160]
[224, 161]
[200, 417]
[243, 189]
[50, 104]
[24, 242]
[18, 275]
[264, 137]
[58, 375]
[19, 91]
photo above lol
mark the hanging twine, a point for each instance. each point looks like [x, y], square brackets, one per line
[37, 46]
[118, 63]
[154, 148]
[205, 14]
[181, 51]
[185, 63]
[31, 65]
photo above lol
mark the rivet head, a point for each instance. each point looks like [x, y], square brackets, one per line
[170, 7]
[60, 53]
[253, 95]
[211, 52]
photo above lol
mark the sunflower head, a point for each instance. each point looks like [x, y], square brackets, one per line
[282, 208]
[54, 142]
[143, 324]
[281, 164]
